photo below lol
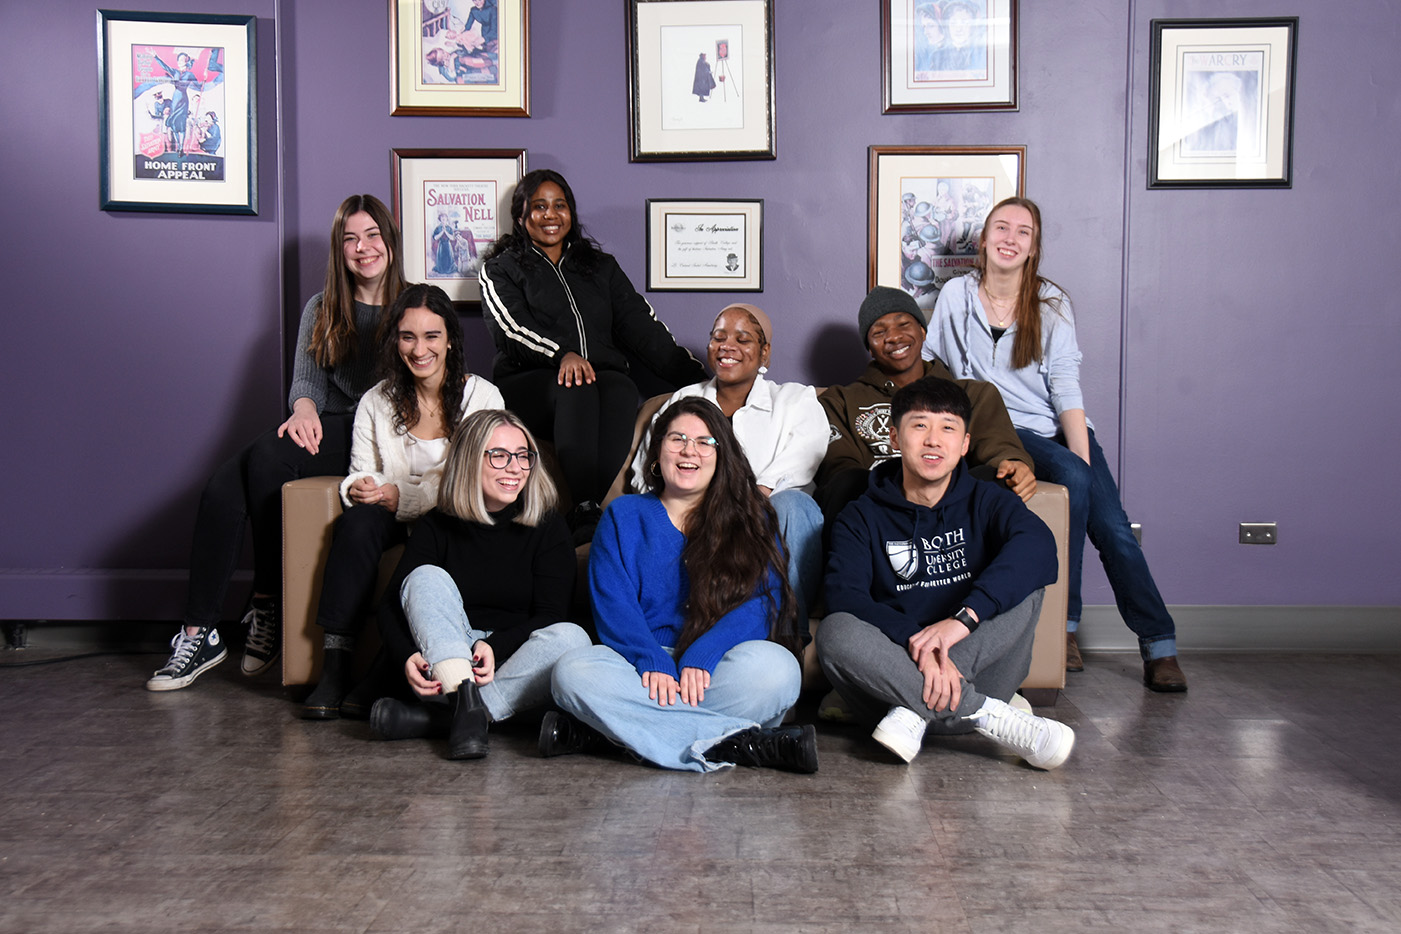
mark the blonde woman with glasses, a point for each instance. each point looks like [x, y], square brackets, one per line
[475, 612]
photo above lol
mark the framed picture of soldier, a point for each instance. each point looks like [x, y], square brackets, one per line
[926, 209]
[948, 55]
[1221, 103]
[451, 204]
[177, 112]
[459, 58]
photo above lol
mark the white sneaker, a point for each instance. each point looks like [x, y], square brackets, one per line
[1020, 703]
[1043, 743]
[901, 731]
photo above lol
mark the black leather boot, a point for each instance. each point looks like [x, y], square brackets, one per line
[562, 735]
[467, 734]
[790, 748]
[380, 682]
[391, 718]
[324, 703]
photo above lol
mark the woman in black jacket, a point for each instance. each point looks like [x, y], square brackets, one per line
[563, 314]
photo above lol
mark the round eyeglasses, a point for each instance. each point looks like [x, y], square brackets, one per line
[500, 458]
[676, 442]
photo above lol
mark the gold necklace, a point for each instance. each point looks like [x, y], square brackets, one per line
[994, 303]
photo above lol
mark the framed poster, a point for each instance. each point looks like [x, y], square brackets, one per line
[948, 55]
[1221, 107]
[177, 112]
[710, 245]
[700, 80]
[459, 58]
[926, 211]
[450, 205]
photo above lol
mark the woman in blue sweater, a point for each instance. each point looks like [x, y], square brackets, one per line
[1006, 324]
[697, 666]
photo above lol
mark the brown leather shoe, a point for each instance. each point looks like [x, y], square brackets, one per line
[1073, 661]
[1164, 675]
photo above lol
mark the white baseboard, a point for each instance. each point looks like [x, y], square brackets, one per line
[1367, 629]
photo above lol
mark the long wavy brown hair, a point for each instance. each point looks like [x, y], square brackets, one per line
[1026, 346]
[733, 548]
[333, 330]
[402, 393]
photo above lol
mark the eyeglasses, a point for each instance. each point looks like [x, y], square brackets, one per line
[500, 458]
[676, 443]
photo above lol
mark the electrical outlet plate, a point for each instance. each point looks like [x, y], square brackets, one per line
[1258, 533]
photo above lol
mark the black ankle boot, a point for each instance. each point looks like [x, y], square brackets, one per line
[562, 735]
[391, 718]
[790, 748]
[467, 735]
[324, 703]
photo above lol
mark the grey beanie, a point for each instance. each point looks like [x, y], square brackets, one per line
[882, 301]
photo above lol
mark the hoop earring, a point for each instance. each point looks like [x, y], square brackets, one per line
[655, 470]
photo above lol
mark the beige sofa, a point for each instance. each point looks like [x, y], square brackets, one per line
[310, 507]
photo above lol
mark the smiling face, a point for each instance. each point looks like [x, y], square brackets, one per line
[424, 346]
[930, 445]
[502, 486]
[737, 349]
[366, 253]
[548, 220]
[1009, 239]
[895, 340]
[686, 472]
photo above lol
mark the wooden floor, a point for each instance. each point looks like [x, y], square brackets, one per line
[1268, 799]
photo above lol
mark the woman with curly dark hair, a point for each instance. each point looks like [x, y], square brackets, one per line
[698, 663]
[333, 366]
[402, 427]
[564, 316]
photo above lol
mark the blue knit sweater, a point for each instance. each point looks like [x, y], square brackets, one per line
[639, 590]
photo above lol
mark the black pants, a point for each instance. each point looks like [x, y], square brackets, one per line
[590, 425]
[248, 487]
[362, 535]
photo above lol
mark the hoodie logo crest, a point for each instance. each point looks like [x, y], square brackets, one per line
[904, 558]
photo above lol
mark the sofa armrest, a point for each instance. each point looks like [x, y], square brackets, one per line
[310, 507]
[1051, 503]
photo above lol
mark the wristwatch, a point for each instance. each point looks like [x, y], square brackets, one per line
[966, 618]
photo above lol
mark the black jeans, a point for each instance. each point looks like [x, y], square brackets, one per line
[248, 487]
[362, 535]
[590, 425]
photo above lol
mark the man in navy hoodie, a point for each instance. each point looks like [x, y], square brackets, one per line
[934, 585]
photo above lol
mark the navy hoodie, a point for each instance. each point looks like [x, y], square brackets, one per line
[901, 566]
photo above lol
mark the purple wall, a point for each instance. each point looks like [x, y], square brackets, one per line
[1212, 315]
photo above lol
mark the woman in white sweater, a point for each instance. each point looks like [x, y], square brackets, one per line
[398, 445]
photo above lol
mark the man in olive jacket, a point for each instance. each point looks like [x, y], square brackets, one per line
[892, 327]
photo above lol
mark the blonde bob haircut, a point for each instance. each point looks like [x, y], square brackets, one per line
[460, 493]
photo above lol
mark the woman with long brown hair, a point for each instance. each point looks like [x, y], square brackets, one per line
[402, 427]
[333, 366]
[697, 666]
[1009, 325]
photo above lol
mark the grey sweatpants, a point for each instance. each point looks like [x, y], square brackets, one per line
[874, 674]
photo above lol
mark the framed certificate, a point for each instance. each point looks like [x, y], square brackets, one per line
[709, 245]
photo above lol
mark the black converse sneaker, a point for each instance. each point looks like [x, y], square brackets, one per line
[264, 645]
[190, 657]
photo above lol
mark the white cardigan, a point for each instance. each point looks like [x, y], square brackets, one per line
[380, 451]
[781, 426]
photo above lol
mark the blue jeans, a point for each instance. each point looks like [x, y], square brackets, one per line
[1095, 510]
[753, 685]
[440, 627]
[800, 524]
